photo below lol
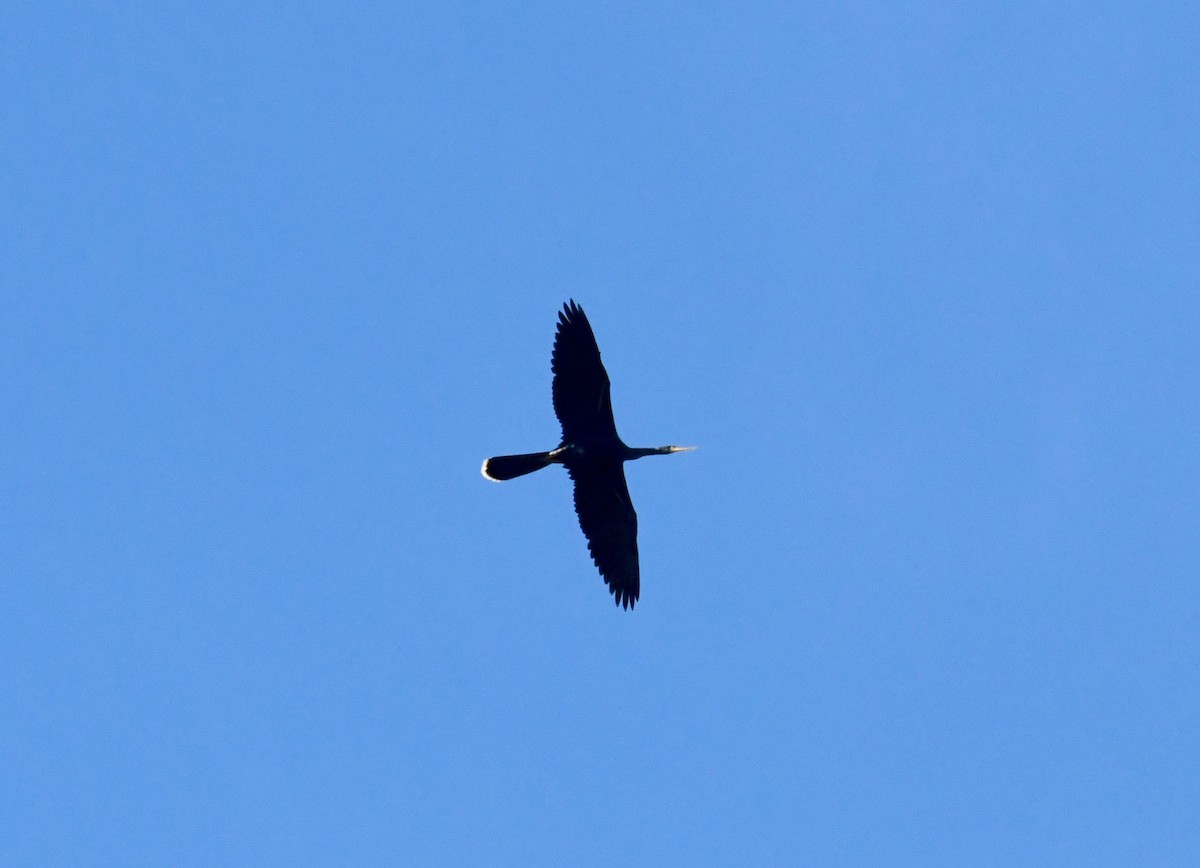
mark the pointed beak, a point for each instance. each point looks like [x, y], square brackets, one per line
[680, 448]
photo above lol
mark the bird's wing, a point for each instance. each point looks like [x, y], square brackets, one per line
[581, 387]
[608, 521]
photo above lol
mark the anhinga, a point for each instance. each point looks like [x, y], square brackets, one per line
[592, 453]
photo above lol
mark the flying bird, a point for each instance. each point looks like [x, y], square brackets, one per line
[592, 453]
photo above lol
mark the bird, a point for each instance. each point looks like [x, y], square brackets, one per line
[593, 454]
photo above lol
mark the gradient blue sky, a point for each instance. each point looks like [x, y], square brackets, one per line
[922, 281]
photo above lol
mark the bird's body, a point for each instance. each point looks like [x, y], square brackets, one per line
[593, 454]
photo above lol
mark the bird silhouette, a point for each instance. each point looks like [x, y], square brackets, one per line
[592, 453]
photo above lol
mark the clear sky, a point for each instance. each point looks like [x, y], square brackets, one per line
[921, 280]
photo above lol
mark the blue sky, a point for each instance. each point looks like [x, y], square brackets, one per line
[922, 281]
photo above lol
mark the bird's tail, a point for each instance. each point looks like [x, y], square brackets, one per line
[504, 467]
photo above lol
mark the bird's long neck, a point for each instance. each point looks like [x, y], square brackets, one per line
[642, 451]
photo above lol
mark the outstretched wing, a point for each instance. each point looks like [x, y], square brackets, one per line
[581, 386]
[608, 521]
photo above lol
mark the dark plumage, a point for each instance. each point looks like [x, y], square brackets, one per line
[592, 453]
